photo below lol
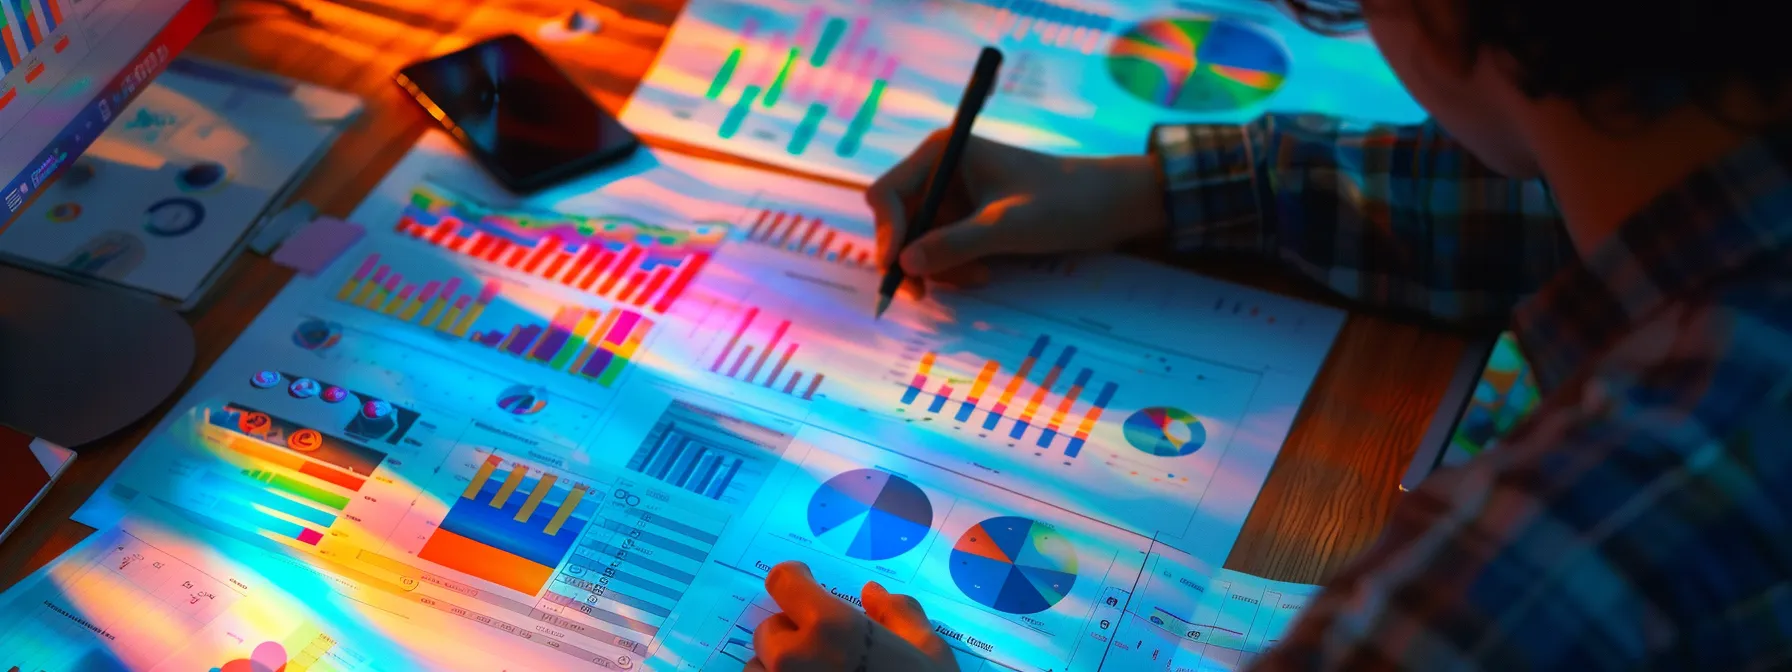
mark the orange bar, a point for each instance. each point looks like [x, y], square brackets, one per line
[982, 383]
[452, 550]
[255, 449]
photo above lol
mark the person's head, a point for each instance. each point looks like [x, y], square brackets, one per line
[1484, 67]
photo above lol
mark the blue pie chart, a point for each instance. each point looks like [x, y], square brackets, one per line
[870, 514]
[1014, 565]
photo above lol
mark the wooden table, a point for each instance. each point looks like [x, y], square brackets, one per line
[1326, 498]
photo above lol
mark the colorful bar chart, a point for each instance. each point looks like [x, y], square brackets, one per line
[286, 492]
[1043, 408]
[1043, 22]
[10, 54]
[512, 525]
[714, 455]
[618, 258]
[825, 71]
[744, 360]
[30, 30]
[810, 237]
[435, 304]
[592, 344]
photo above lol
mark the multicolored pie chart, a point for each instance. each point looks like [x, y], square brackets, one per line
[1165, 431]
[870, 514]
[523, 400]
[1198, 63]
[1014, 565]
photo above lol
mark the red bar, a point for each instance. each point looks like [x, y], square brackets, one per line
[821, 250]
[803, 245]
[629, 257]
[634, 281]
[687, 271]
[461, 243]
[794, 221]
[61, 43]
[766, 235]
[8, 96]
[777, 336]
[754, 232]
[55, 7]
[516, 257]
[794, 376]
[544, 248]
[813, 383]
[744, 354]
[579, 265]
[36, 70]
[773, 376]
[846, 253]
[597, 270]
[444, 226]
[745, 322]
[329, 475]
[555, 265]
[862, 258]
[653, 285]
[481, 243]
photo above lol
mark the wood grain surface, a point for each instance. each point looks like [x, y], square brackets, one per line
[1327, 497]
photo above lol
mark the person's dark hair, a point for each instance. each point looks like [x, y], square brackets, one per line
[1643, 56]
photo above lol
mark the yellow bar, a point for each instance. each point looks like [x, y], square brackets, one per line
[516, 478]
[435, 311]
[448, 319]
[541, 492]
[410, 309]
[1013, 386]
[466, 321]
[375, 298]
[393, 304]
[367, 288]
[348, 289]
[566, 509]
[507, 339]
[1033, 403]
[480, 477]
[926, 365]
[989, 371]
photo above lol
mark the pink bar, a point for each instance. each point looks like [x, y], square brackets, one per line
[405, 294]
[490, 291]
[462, 302]
[807, 32]
[748, 27]
[794, 376]
[392, 282]
[860, 86]
[772, 59]
[367, 266]
[450, 287]
[429, 290]
[379, 274]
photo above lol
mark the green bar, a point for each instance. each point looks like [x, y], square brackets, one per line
[738, 113]
[861, 122]
[725, 74]
[799, 141]
[612, 371]
[299, 488]
[830, 36]
[777, 88]
[567, 352]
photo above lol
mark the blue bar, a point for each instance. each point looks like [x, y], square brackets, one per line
[1081, 378]
[964, 412]
[939, 402]
[721, 485]
[1107, 395]
[909, 396]
[1064, 359]
[1039, 346]
[707, 467]
[1076, 446]
[18, 7]
[1046, 437]
[989, 423]
[1020, 427]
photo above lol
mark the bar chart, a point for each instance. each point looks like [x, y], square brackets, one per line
[448, 305]
[709, 453]
[619, 258]
[592, 344]
[810, 237]
[1042, 22]
[824, 70]
[763, 346]
[37, 19]
[512, 525]
[1043, 407]
[287, 492]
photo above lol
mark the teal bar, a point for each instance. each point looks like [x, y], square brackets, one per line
[723, 75]
[777, 89]
[799, 141]
[861, 122]
[738, 114]
[830, 36]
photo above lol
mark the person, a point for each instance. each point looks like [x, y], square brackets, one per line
[1610, 180]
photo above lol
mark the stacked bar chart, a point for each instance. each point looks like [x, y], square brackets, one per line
[1043, 22]
[434, 304]
[808, 236]
[511, 526]
[1043, 407]
[618, 258]
[750, 352]
[592, 344]
[823, 71]
[705, 452]
[288, 493]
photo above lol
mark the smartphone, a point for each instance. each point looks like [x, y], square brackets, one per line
[522, 118]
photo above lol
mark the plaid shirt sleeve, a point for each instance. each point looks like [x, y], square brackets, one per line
[1398, 217]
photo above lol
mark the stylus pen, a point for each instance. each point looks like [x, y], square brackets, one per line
[983, 81]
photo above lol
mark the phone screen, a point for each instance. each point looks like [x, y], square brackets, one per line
[523, 117]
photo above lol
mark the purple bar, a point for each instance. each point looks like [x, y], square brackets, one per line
[600, 358]
[379, 274]
[429, 291]
[449, 288]
[489, 338]
[550, 344]
[461, 303]
[813, 383]
[625, 323]
[392, 282]
[489, 291]
[794, 376]
[367, 266]
[742, 359]
[523, 339]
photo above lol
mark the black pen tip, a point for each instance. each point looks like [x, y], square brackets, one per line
[883, 304]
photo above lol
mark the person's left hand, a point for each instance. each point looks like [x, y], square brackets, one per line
[818, 631]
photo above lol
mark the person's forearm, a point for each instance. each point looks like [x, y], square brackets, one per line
[1396, 217]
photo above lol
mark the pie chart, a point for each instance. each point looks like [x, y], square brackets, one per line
[523, 400]
[870, 514]
[1198, 63]
[1165, 431]
[1014, 565]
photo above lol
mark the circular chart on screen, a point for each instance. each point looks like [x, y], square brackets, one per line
[1198, 63]
[1014, 565]
[870, 514]
[1165, 432]
[523, 400]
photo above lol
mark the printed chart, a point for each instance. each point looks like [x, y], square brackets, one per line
[870, 514]
[1023, 415]
[810, 236]
[1014, 565]
[510, 527]
[709, 453]
[1198, 64]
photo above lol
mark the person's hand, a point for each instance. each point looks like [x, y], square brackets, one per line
[1011, 201]
[818, 631]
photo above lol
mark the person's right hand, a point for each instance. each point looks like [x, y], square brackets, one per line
[1012, 201]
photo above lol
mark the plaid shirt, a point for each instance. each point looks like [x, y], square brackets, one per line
[1641, 517]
